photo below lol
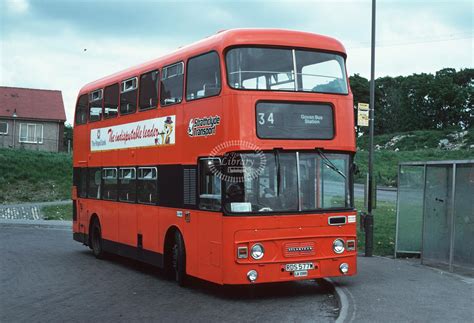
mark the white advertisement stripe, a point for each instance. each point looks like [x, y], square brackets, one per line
[145, 133]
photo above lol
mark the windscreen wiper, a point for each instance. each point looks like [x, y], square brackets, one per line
[277, 162]
[329, 163]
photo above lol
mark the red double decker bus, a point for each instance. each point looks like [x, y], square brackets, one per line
[229, 160]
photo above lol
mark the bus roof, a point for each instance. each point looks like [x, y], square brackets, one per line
[222, 40]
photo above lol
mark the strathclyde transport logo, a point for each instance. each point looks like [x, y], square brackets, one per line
[203, 126]
[235, 166]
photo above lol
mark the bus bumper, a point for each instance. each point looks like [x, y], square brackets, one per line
[278, 272]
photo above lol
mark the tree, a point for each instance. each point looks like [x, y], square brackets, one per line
[419, 101]
[361, 92]
[67, 136]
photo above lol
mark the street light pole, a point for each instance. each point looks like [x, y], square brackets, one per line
[14, 115]
[369, 220]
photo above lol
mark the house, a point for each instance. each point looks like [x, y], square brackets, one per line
[31, 119]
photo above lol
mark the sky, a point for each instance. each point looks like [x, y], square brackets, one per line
[63, 44]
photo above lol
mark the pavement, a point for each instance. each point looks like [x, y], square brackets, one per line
[26, 211]
[36, 223]
[403, 290]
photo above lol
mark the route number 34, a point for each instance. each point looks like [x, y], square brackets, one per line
[263, 118]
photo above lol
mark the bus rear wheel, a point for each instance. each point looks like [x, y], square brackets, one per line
[178, 259]
[96, 240]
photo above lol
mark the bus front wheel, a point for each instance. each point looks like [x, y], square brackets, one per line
[96, 240]
[178, 260]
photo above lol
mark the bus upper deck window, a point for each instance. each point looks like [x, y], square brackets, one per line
[95, 105]
[128, 96]
[81, 109]
[286, 69]
[148, 98]
[203, 78]
[111, 101]
[172, 84]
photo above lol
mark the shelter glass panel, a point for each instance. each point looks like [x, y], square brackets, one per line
[437, 214]
[410, 208]
[464, 217]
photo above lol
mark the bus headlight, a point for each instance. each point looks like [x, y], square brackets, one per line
[338, 246]
[252, 275]
[344, 268]
[257, 251]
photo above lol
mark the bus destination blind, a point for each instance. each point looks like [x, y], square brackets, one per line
[282, 120]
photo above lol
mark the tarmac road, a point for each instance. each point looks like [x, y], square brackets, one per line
[383, 194]
[46, 276]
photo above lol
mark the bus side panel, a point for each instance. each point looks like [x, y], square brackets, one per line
[209, 244]
[108, 217]
[127, 224]
[148, 227]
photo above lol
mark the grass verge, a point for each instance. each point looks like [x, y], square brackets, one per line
[34, 176]
[385, 216]
[57, 212]
[386, 162]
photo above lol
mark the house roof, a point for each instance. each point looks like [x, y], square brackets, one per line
[32, 103]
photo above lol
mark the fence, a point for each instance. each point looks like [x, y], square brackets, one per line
[435, 213]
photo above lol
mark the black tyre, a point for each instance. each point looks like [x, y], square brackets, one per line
[178, 259]
[96, 240]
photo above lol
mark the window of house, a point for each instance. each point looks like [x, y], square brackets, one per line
[127, 184]
[203, 77]
[31, 133]
[128, 96]
[147, 186]
[3, 128]
[95, 183]
[148, 97]
[95, 105]
[172, 84]
[209, 184]
[111, 101]
[81, 109]
[109, 177]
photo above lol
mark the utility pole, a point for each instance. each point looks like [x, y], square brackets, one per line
[369, 219]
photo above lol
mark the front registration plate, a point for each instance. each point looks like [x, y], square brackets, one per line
[299, 267]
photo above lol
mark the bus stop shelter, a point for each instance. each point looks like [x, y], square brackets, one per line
[435, 213]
